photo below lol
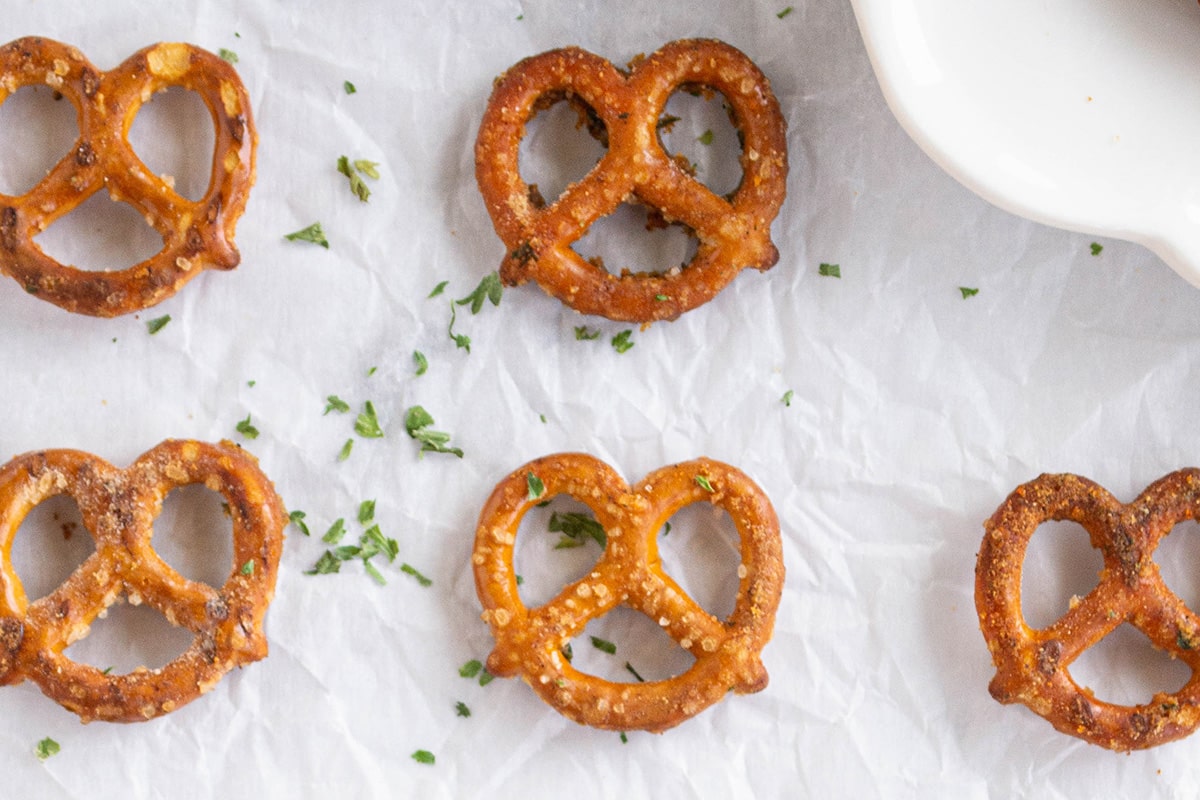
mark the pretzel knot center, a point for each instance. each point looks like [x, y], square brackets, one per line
[1032, 664]
[529, 642]
[118, 508]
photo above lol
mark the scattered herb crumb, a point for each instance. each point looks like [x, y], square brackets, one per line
[354, 171]
[585, 334]
[702, 482]
[471, 668]
[409, 569]
[461, 341]
[536, 487]
[421, 362]
[968, 291]
[460, 708]
[228, 55]
[830, 270]
[489, 288]
[158, 323]
[248, 567]
[335, 403]
[623, 341]
[1097, 248]
[371, 371]
[787, 397]
[705, 138]
[416, 422]
[485, 678]
[245, 428]
[423, 757]
[367, 423]
[313, 233]
[349, 87]
[366, 511]
[441, 287]
[344, 453]
[604, 645]
[624, 738]
[46, 747]
[297, 519]
[634, 672]
[785, 12]
[336, 531]
[576, 528]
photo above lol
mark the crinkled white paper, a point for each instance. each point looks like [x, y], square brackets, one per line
[913, 411]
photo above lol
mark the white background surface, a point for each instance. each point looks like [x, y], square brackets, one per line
[915, 411]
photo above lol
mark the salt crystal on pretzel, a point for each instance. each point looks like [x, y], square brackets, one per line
[529, 641]
[118, 509]
[733, 233]
[197, 235]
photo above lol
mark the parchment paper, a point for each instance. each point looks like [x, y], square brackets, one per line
[913, 411]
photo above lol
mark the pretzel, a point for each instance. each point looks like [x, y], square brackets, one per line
[118, 508]
[529, 642]
[732, 233]
[196, 235]
[1032, 665]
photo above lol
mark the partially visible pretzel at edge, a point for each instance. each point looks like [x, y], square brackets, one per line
[1032, 664]
[197, 235]
[118, 508]
[733, 233]
[529, 641]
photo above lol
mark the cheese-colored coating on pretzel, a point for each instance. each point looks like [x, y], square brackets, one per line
[733, 233]
[118, 509]
[1032, 665]
[529, 641]
[197, 235]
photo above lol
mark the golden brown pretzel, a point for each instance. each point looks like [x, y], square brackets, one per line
[529, 642]
[732, 233]
[197, 235]
[1032, 665]
[118, 509]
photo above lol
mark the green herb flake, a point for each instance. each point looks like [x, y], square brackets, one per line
[228, 55]
[576, 529]
[366, 511]
[666, 527]
[830, 270]
[535, 485]
[367, 423]
[461, 341]
[785, 12]
[1097, 248]
[335, 403]
[248, 567]
[485, 678]
[666, 122]
[158, 323]
[460, 709]
[313, 233]
[344, 453]
[787, 398]
[702, 482]
[423, 757]
[662, 298]
[421, 362]
[568, 652]
[489, 288]
[45, 748]
[336, 532]
[297, 518]
[585, 334]
[967, 291]
[623, 341]
[604, 645]
[705, 138]
[629, 668]
[246, 429]
[471, 668]
[441, 287]
[327, 564]
[349, 87]
[409, 569]
[368, 168]
[416, 422]
[353, 172]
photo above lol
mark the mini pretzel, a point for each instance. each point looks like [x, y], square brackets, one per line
[529, 642]
[732, 233]
[1032, 665]
[118, 509]
[197, 235]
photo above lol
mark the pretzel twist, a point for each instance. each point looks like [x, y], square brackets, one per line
[118, 508]
[197, 235]
[529, 641]
[1032, 665]
[732, 233]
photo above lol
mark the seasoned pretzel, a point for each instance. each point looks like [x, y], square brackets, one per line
[1032, 665]
[732, 233]
[197, 235]
[118, 509]
[529, 642]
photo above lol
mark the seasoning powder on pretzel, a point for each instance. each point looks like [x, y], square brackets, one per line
[530, 641]
[1032, 665]
[118, 508]
[197, 235]
[732, 232]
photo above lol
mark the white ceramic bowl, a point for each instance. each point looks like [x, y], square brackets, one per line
[1081, 114]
